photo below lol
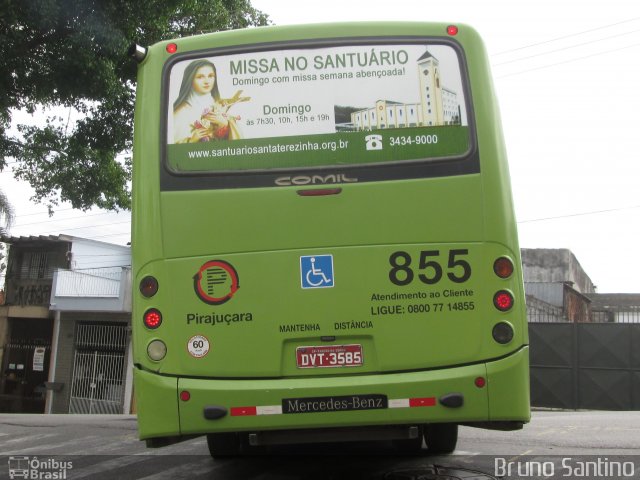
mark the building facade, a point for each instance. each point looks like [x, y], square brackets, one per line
[64, 326]
[559, 290]
[436, 106]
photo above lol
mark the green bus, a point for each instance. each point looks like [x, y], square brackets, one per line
[324, 244]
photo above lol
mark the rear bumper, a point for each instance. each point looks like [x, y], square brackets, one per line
[308, 403]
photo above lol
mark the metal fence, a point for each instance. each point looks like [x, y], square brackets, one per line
[99, 369]
[102, 337]
[96, 282]
[539, 311]
[585, 365]
[584, 349]
[558, 302]
[616, 315]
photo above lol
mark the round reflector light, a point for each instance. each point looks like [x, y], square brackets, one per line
[172, 48]
[502, 333]
[503, 267]
[185, 396]
[452, 30]
[148, 286]
[156, 350]
[480, 382]
[503, 300]
[152, 318]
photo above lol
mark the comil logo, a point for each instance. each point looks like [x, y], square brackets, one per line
[314, 179]
[35, 468]
[216, 282]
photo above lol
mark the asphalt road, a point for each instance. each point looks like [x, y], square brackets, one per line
[556, 444]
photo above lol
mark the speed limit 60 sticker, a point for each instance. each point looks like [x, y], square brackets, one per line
[198, 346]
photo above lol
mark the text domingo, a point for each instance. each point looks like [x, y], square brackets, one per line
[218, 318]
[284, 109]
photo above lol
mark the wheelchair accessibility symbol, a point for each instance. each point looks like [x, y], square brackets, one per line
[316, 271]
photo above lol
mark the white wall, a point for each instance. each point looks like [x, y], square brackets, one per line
[92, 254]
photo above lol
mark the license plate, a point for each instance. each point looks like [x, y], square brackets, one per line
[327, 356]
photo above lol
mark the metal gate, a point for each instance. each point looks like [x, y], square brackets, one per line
[99, 367]
[585, 365]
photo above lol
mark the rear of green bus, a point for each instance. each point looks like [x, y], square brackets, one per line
[324, 241]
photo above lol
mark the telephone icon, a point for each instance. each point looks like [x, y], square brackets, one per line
[374, 142]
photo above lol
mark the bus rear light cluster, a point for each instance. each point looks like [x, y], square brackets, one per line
[502, 332]
[152, 318]
[148, 286]
[503, 267]
[503, 300]
[156, 350]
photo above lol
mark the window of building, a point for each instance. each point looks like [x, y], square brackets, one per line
[36, 265]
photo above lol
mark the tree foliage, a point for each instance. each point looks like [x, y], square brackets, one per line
[70, 56]
[6, 219]
[6, 214]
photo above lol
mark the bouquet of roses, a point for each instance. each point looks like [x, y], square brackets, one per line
[211, 123]
[216, 120]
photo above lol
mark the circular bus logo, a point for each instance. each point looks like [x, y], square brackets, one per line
[216, 282]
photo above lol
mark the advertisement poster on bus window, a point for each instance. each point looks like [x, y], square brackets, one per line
[316, 107]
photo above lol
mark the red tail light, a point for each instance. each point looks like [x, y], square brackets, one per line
[503, 267]
[452, 30]
[503, 300]
[152, 318]
[148, 286]
[172, 48]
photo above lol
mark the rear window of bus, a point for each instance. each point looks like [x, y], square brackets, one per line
[325, 106]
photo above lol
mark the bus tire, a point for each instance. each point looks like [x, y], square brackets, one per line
[441, 437]
[224, 444]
